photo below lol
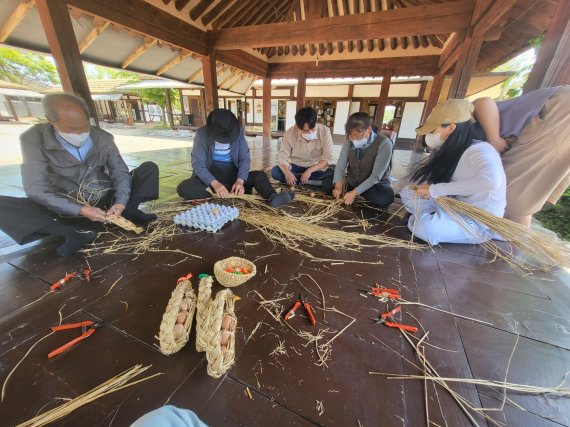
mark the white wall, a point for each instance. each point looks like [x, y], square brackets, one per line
[290, 111]
[340, 117]
[411, 119]
[354, 108]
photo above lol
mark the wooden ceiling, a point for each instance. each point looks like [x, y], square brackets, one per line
[239, 13]
[527, 19]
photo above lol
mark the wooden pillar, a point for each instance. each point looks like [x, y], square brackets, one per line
[382, 100]
[64, 49]
[551, 65]
[182, 111]
[434, 95]
[169, 108]
[210, 84]
[301, 89]
[465, 66]
[266, 108]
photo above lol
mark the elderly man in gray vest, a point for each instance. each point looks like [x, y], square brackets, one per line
[364, 164]
[73, 169]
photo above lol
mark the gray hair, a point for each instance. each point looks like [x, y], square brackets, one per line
[50, 102]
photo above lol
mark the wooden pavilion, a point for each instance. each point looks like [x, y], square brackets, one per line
[487, 321]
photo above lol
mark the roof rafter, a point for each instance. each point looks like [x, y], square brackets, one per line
[147, 44]
[15, 18]
[174, 61]
[100, 26]
[418, 20]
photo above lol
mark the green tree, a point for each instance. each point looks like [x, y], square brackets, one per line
[23, 67]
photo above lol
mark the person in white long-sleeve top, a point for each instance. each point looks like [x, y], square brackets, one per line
[459, 167]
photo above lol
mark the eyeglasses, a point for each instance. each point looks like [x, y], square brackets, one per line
[354, 135]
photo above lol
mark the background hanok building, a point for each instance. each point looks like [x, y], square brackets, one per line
[223, 47]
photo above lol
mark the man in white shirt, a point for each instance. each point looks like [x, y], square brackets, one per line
[306, 153]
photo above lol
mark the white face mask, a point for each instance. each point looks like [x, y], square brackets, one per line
[359, 143]
[310, 136]
[74, 139]
[433, 140]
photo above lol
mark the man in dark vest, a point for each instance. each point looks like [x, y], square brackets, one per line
[72, 169]
[364, 162]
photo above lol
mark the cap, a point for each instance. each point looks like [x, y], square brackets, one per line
[223, 125]
[450, 111]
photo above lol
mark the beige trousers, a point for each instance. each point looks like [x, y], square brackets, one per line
[538, 164]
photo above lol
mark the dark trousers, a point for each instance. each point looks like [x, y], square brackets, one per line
[21, 217]
[381, 194]
[325, 176]
[226, 173]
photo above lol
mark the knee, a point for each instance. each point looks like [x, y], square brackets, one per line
[184, 189]
[277, 173]
[149, 167]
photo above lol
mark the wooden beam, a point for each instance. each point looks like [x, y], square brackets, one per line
[465, 66]
[409, 21]
[99, 26]
[180, 4]
[64, 49]
[146, 19]
[199, 9]
[266, 108]
[174, 61]
[233, 72]
[242, 78]
[376, 67]
[492, 16]
[382, 100]
[229, 15]
[15, 18]
[244, 61]
[210, 83]
[195, 75]
[434, 95]
[301, 89]
[217, 10]
[147, 44]
[551, 65]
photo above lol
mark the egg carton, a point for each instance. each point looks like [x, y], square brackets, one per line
[207, 217]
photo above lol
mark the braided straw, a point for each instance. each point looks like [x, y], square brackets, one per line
[220, 361]
[202, 312]
[230, 280]
[124, 223]
[183, 292]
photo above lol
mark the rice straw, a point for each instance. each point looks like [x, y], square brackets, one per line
[547, 250]
[112, 385]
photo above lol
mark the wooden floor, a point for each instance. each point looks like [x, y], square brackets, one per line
[286, 388]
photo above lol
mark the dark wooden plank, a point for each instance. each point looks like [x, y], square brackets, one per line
[105, 354]
[532, 317]
[533, 363]
[18, 288]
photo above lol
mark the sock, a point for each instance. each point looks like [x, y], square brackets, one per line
[74, 239]
[278, 199]
[138, 217]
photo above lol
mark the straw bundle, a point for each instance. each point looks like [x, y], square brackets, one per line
[171, 338]
[232, 279]
[544, 249]
[112, 385]
[124, 223]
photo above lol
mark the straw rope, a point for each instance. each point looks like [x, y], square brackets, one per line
[169, 341]
[541, 248]
[202, 312]
[228, 279]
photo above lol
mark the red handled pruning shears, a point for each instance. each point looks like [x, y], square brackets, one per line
[386, 318]
[300, 301]
[381, 292]
[87, 328]
[62, 281]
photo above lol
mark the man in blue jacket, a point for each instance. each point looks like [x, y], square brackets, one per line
[72, 169]
[220, 160]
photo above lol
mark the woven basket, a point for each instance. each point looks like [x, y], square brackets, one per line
[169, 344]
[203, 312]
[230, 280]
[219, 362]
